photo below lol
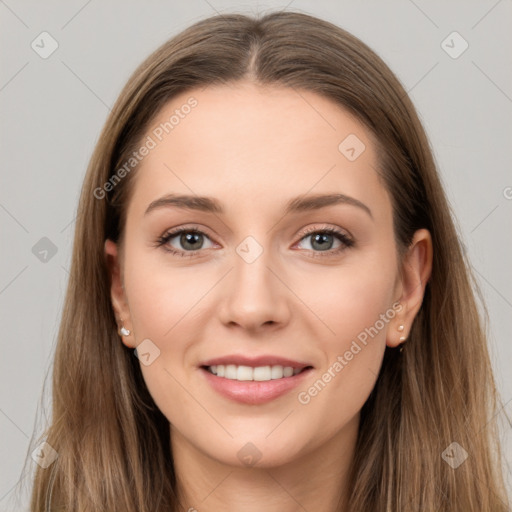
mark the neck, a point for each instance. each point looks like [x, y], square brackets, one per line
[314, 480]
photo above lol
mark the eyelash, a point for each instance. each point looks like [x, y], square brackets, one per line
[342, 237]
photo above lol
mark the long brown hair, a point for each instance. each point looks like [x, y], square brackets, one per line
[113, 442]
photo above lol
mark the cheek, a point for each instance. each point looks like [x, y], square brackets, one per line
[163, 302]
[355, 306]
[160, 297]
[349, 300]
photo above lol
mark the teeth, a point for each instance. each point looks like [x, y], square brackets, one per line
[259, 373]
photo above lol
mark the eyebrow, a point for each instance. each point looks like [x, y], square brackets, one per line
[298, 204]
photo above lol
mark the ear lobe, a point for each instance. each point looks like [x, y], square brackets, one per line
[415, 273]
[117, 294]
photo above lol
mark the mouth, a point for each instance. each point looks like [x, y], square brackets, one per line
[244, 373]
[254, 385]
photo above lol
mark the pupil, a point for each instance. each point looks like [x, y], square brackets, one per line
[321, 238]
[190, 238]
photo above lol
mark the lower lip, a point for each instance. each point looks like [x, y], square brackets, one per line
[254, 392]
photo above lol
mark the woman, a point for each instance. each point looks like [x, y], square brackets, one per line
[262, 225]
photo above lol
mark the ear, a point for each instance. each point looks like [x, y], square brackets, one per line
[117, 293]
[416, 268]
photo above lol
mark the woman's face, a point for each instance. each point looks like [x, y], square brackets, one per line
[256, 279]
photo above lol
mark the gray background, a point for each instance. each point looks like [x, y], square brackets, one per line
[52, 110]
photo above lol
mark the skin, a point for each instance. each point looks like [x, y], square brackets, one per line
[254, 149]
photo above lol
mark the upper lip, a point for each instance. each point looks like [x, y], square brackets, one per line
[264, 360]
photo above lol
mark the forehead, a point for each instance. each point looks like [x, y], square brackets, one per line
[255, 146]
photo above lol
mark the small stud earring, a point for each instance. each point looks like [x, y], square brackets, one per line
[400, 328]
[124, 331]
[402, 338]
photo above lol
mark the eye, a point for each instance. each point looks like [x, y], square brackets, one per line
[322, 241]
[189, 241]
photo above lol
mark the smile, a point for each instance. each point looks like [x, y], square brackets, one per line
[254, 385]
[259, 373]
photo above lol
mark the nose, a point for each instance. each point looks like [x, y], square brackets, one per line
[254, 296]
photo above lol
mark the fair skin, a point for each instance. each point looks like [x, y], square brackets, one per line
[254, 149]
